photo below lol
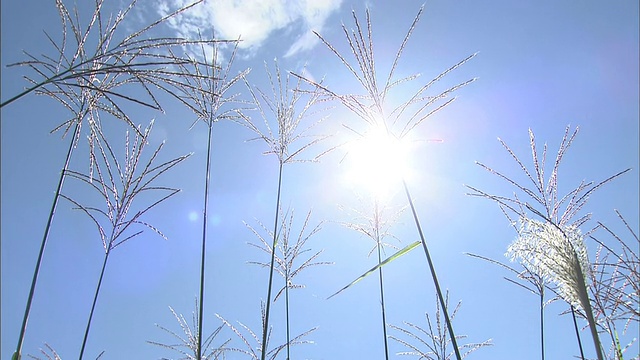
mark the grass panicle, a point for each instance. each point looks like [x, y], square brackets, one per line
[372, 106]
[50, 353]
[560, 256]
[542, 193]
[255, 346]
[188, 345]
[291, 258]
[615, 283]
[377, 227]
[209, 95]
[543, 248]
[92, 54]
[287, 106]
[552, 246]
[118, 183]
[94, 69]
[432, 342]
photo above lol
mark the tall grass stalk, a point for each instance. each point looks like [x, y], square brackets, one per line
[376, 225]
[36, 272]
[554, 247]
[432, 269]
[291, 259]
[288, 106]
[404, 118]
[90, 72]
[382, 306]
[118, 183]
[536, 286]
[208, 95]
[615, 283]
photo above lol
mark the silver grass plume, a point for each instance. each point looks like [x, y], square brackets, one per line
[560, 255]
[557, 255]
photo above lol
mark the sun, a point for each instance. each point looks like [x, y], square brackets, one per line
[377, 162]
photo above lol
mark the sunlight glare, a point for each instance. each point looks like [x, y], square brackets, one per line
[377, 162]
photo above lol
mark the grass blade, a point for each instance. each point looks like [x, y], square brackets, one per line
[401, 252]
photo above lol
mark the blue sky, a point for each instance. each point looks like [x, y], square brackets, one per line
[541, 66]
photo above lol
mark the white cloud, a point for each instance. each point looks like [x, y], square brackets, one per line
[254, 20]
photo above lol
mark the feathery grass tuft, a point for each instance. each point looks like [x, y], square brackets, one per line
[119, 183]
[288, 107]
[371, 107]
[289, 258]
[432, 343]
[615, 283]
[188, 344]
[90, 55]
[50, 354]
[207, 94]
[377, 227]
[90, 72]
[543, 248]
[256, 347]
[552, 247]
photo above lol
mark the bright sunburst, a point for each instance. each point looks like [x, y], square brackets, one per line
[377, 162]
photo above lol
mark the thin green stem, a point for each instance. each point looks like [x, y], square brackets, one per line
[575, 325]
[384, 316]
[286, 299]
[45, 238]
[617, 345]
[273, 257]
[378, 239]
[542, 321]
[204, 241]
[586, 304]
[95, 300]
[433, 273]
[34, 87]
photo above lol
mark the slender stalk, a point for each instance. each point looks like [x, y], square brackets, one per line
[204, 241]
[31, 89]
[575, 325]
[273, 256]
[286, 299]
[95, 300]
[433, 273]
[45, 238]
[542, 321]
[586, 304]
[384, 317]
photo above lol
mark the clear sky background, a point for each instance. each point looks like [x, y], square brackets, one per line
[541, 65]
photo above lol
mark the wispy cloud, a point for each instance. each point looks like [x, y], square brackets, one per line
[254, 20]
